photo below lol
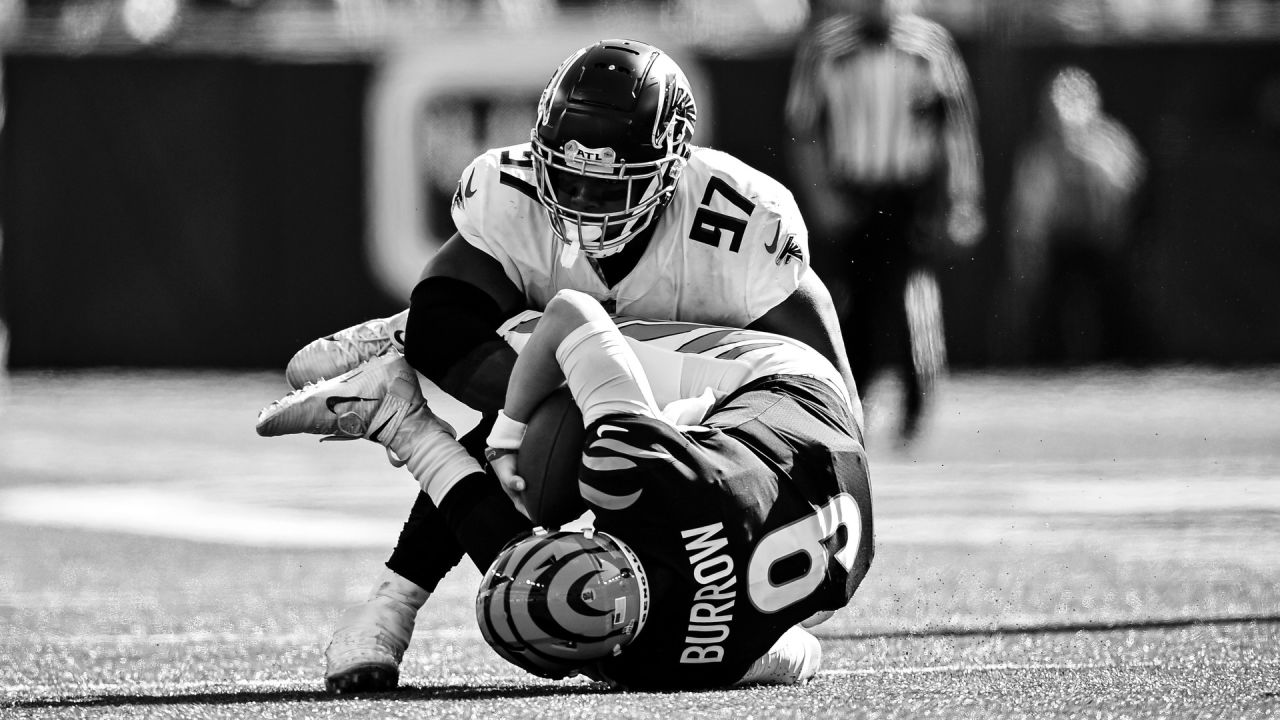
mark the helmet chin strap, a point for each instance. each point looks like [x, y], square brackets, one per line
[581, 234]
[578, 237]
[569, 251]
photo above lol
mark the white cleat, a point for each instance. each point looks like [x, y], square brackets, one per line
[333, 355]
[365, 651]
[794, 659]
[370, 401]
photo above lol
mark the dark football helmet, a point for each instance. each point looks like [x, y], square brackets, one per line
[611, 140]
[556, 602]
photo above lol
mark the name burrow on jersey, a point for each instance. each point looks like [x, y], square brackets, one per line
[712, 608]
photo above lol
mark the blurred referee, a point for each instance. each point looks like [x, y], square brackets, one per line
[886, 161]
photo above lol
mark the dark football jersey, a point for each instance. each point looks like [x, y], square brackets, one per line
[745, 527]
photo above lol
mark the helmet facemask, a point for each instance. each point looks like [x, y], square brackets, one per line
[628, 195]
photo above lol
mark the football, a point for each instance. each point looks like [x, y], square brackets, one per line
[549, 460]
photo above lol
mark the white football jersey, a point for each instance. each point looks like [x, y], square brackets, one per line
[730, 245]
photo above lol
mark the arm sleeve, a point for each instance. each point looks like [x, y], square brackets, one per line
[959, 132]
[451, 337]
[804, 103]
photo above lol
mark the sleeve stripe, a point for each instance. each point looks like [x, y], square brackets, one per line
[607, 463]
[512, 181]
[740, 350]
[606, 501]
[931, 41]
[610, 444]
[706, 342]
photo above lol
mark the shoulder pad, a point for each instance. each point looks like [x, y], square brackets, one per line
[485, 185]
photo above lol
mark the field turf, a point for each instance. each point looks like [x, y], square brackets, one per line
[1100, 544]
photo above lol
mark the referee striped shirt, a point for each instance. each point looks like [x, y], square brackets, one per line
[888, 105]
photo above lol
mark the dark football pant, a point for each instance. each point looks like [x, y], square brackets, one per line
[428, 548]
[882, 260]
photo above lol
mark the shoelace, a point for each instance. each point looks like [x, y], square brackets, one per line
[347, 643]
[353, 347]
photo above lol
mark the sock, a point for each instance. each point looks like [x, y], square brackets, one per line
[391, 585]
[429, 451]
[482, 518]
[426, 550]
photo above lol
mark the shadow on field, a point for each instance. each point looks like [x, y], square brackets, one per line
[1045, 628]
[438, 692]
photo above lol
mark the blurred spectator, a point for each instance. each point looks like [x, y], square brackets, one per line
[4, 330]
[886, 162]
[1070, 212]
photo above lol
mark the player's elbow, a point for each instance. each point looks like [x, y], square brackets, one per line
[569, 310]
[448, 319]
[568, 300]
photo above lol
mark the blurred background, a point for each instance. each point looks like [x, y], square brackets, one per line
[190, 190]
[212, 183]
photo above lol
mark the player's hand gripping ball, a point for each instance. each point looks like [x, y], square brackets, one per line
[549, 461]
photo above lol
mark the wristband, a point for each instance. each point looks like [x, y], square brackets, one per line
[493, 453]
[507, 434]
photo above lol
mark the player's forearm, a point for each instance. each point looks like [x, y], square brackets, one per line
[479, 379]
[961, 148]
[535, 375]
[964, 173]
[451, 334]
[538, 370]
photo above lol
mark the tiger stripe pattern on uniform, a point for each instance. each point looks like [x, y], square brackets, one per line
[618, 458]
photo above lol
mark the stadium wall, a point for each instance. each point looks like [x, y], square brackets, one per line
[181, 211]
[213, 211]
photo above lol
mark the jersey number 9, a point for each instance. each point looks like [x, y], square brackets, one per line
[815, 536]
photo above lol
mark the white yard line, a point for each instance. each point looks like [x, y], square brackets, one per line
[222, 686]
[448, 634]
[230, 512]
[993, 667]
[173, 512]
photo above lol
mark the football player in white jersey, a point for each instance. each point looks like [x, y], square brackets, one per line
[713, 458]
[610, 198]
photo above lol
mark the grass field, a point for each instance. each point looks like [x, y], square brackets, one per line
[1102, 544]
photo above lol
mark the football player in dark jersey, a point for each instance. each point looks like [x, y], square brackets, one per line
[725, 471]
[609, 197]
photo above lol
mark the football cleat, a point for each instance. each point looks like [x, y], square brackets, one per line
[365, 651]
[794, 659]
[333, 355]
[370, 401]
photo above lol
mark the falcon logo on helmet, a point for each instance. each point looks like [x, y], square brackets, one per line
[611, 140]
[555, 602]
